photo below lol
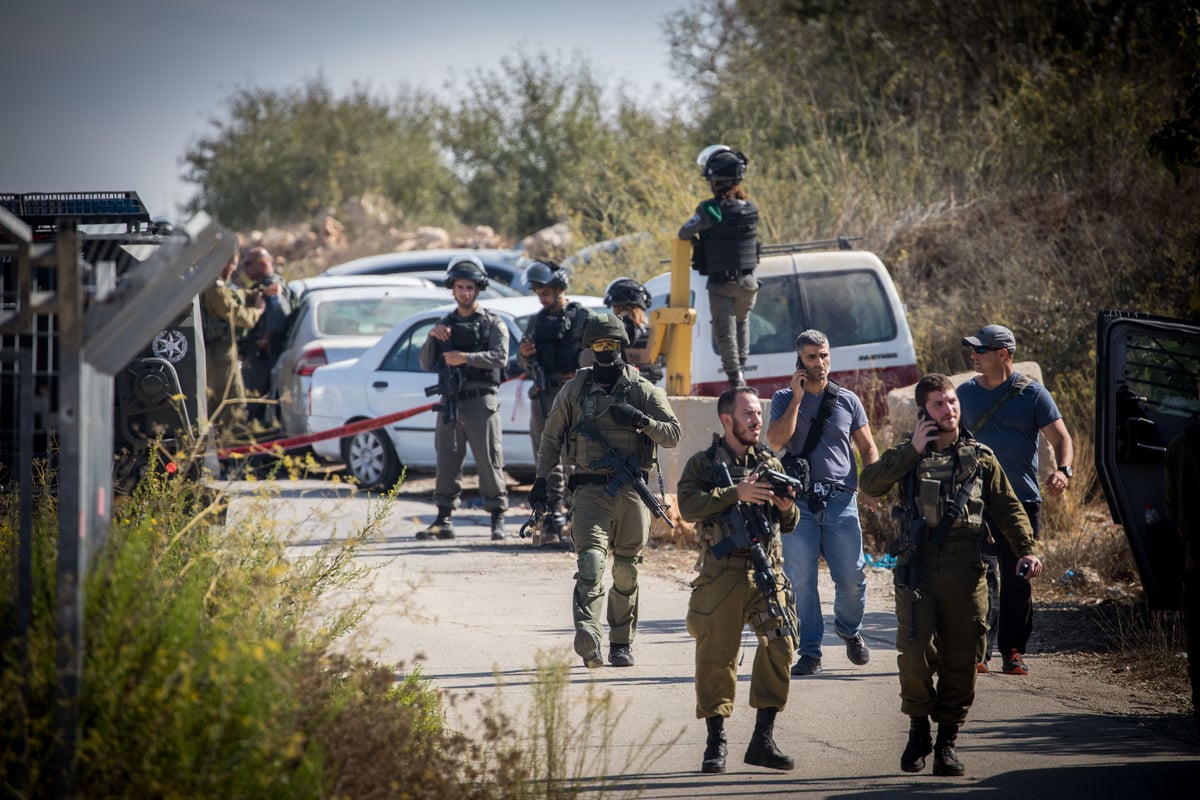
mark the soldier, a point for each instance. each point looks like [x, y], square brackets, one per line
[941, 593]
[225, 317]
[262, 345]
[725, 597]
[550, 349]
[630, 301]
[469, 350]
[607, 413]
[724, 233]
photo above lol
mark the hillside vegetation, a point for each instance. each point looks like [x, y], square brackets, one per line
[1028, 163]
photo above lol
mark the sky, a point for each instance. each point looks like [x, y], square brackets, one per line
[110, 95]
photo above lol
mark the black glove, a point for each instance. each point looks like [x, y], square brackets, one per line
[652, 372]
[539, 498]
[625, 414]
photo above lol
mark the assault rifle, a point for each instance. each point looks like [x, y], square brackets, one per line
[625, 469]
[750, 530]
[904, 548]
[449, 386]
[538, 373]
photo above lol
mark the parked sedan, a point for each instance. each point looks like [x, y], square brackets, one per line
[505, 266]
[388, 378]
[337, 322]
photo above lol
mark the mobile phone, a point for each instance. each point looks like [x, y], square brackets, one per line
[922, 414]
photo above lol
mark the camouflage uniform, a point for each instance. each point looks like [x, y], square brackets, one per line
[725, 597]
[601, 523]
[949, 615]
[225, 316]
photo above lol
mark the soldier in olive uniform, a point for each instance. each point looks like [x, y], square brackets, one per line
[473, 341]
[724, 233]
[225, 316]
[632, 416]
[942, 622]
[725, 597]
[551, 346]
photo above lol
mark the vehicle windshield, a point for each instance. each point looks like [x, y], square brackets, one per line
[373, 316]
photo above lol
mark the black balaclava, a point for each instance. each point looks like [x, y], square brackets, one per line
[608, 367]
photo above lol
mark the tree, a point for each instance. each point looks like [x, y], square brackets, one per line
[282, 156]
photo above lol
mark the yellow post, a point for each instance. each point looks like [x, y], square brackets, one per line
[671, 327]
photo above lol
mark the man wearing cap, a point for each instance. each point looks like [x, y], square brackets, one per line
[1006, 410]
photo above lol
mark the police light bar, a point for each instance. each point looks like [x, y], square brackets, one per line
[44, 209]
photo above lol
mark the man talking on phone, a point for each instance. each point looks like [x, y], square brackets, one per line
[813, 422]
[949, 480]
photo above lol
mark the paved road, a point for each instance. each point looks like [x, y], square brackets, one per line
[477, 612]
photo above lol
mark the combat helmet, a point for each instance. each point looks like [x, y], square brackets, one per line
[546, 273]
[465, 268]
[605, 326]
[626, 290]
[722, 167]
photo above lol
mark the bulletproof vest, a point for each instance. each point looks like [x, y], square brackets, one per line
[730, 246]
[939, 477]
[470, 335]
[559, 338]
[216, 327]
[583, 450]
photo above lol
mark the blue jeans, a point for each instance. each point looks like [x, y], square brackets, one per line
[833, 532]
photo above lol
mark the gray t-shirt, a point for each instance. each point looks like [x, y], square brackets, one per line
[1012, 432]
[832, 460]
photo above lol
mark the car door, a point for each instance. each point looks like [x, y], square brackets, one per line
[1145, 396]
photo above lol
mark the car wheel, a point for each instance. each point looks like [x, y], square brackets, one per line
[369, 457]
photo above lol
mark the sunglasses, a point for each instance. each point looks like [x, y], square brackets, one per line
[981, 349]
[605, 346]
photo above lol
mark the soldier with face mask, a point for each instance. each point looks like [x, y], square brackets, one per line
[550, 349]
[606, 411]
[724, 235]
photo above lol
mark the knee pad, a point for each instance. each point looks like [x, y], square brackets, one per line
[590, 565]
[625, 573]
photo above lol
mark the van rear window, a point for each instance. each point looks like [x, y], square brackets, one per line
[851, 308]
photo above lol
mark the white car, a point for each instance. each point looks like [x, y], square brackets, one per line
[388, 378]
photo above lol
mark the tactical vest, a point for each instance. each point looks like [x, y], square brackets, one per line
[582, 451]
[731, 246]
[559, 338]
[939, 477]
[711, 530]
[470, 335]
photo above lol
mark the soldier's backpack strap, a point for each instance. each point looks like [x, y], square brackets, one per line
[1019, 384]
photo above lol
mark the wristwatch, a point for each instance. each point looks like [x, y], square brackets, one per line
[1065, 470]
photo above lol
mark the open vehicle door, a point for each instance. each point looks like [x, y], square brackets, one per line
[1146, 369]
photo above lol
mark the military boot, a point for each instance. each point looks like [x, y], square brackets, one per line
[762, 751]
[920, 744]
[552, 527]
[714, 749]
[735, 378]
[498, 533]
[945, 760]
[440, 528]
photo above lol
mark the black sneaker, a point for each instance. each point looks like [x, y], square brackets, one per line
[620, 655]
[587, 646]
[806, 665]
[857, 651]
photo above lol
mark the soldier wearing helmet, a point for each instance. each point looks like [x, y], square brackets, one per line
[469, 350]
[724, 236]
[632, 417]
[550, 350]
[630, 301]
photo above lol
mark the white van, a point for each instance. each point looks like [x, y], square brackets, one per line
[846, 294]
